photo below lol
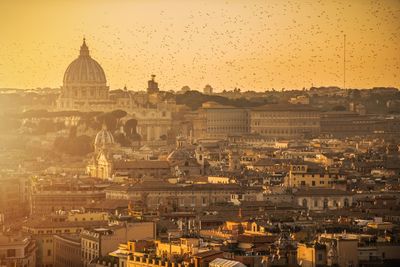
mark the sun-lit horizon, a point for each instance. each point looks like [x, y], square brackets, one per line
[253, 45]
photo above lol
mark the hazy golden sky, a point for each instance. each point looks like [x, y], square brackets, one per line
[251, 44]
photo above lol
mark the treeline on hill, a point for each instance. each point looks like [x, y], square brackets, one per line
[94, 120]
[73, 145]
[194, 100]
[79, 145]
[17, 100]
[42, 113]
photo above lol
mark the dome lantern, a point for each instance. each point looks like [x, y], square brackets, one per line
[84, 49]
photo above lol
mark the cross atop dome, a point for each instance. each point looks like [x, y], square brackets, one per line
[84, 48]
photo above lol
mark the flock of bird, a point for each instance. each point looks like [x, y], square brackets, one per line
[260, 44]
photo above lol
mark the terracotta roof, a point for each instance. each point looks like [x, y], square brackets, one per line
[208, 253]
[164, 186]
[275, 161]
[108, 204]
[321, 192]
[141, 164]
[257, 239]
[45, 223]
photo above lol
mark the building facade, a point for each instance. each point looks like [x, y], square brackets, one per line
[43, 230]
[285, 121]
[14, 198]
[304, 176]
[311, 254]
[48, 200]
[17, 251]
[67, 250]
[152, 124]
[168, 197]
[323, 199]
[98, 242]
[218, 121]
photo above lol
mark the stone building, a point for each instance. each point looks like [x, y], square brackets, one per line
[98, 242]
[152, 124]
[166, 197]
[285, 121]
[14, 198]
[17, 250]
[342, 249]
[311, 254]
[218, 121]
[323, 199]
[184, 163]
[312, 175]
[42, 230]
[46, 200]
[152, 85]
[208, 90]
[106, 167]
[67, 250]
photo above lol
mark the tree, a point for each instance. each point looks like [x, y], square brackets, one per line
[130, 127]
[74, 145]
[122, 140]
[119, 113]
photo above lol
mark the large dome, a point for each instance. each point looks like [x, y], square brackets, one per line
[84, 70]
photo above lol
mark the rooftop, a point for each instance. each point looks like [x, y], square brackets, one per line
[285, 107]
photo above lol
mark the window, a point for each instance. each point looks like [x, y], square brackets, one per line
[325, 203]
[11, 253]
[304, 203]
[49, 252]
[346, 202]
[319, 257]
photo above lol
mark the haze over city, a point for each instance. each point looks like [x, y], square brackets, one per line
[253, 45]
[219, 133]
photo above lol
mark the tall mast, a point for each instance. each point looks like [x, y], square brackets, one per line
[344, 61]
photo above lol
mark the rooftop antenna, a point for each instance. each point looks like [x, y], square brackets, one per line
[344, 61]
